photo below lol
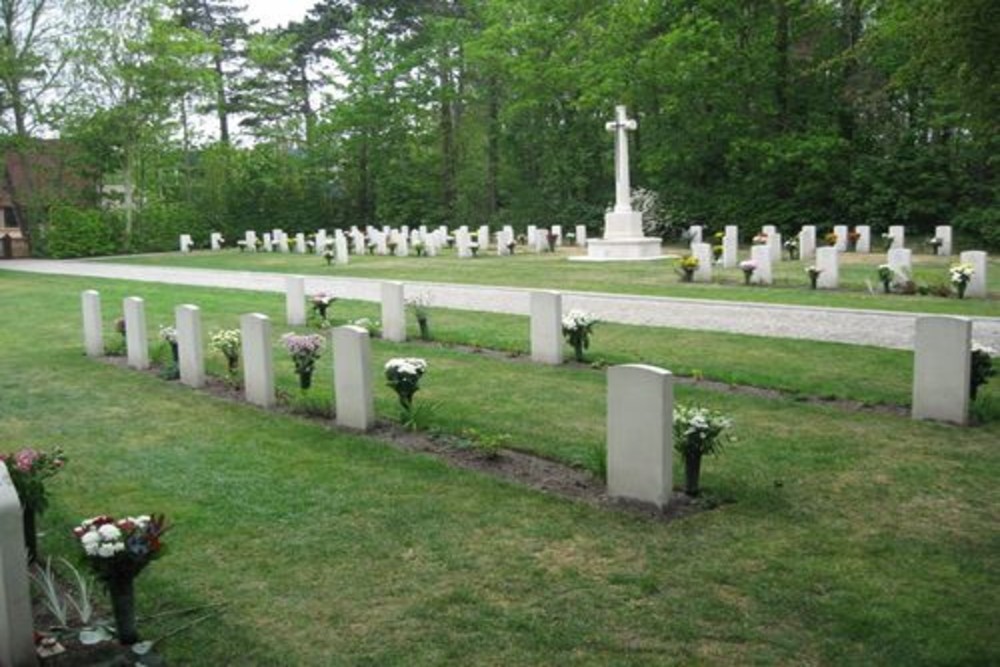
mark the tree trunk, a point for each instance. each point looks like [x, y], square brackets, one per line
[221, 103]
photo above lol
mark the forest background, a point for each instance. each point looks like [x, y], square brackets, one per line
[751, 112]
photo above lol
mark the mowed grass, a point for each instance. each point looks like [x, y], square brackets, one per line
[849, 538]
[858, 276]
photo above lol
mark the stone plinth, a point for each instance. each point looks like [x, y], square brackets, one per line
[190, 345]
[942, 349]
[258, 365]
[640, 433]
[352, 378]
[93, 334]
[136, 337]
[546, 327]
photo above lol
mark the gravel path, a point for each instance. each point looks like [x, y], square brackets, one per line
[857, 327]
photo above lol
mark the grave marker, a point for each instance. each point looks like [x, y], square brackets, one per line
[258, 366]
[977, 285]
[730, 247]
[190, 348]
[943, 233]
[703, 253]
[761, 255]
[640, 433]
[546, 327]
[807, 242]
[93, 333]
[828, 262]
[295, 301]
[352, 378]
[17, 634]
[136, 338]
[942, 349]
[393, 312]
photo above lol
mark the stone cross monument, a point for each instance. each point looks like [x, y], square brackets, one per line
[623, 239]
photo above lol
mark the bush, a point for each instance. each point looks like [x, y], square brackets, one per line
[158, 227]
[77, 232]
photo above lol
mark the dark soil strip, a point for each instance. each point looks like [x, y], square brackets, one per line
[521, 468]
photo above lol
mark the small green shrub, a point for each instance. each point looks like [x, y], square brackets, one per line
[77, 232]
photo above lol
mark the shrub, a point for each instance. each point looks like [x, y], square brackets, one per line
[78, 232]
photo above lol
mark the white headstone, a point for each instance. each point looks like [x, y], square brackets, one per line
[640, 434]
[943, 233]
[352, 378]
[769, 230]
[320, 242]
[300, 243]
[807, 242]
[393, 312]
[900, 260]
[864, 243]
[216, 240]
[190, 347]
[136, 338]
[774, 245]
[267, 244]
[761, 256]
[730, 247]
[185, 243]
[17, 634]
[258, 365]
[976, 288]
[841, 243]
[694, 234]
[898, 235]
[250, 240]
[703, 253]
[581, 236]
[942, 349]
[827, 261]
[282, 243]
[532, 235]
[484, 237]
[343, 256]
[295, 301]
[557, 231]
[93, 334]
[546, 327]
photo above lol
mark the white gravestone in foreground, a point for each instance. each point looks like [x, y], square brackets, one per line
[190, 348]
[977, 285]
[827, 261]
[136, 339]
[352, 378]
[93, 334]
[393, 312]
[17, 634]
[640, 433]
[942, 349]
[258, 366]
[623, 238]
[295, 301]
[546, 327]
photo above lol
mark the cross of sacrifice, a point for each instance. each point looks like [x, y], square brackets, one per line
[623, 189]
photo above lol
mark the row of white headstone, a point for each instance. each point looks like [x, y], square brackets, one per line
[398, 242]
[807, 245]
[827, 262]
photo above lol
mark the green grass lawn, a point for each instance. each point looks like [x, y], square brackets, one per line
[851, 538]
[553, 271]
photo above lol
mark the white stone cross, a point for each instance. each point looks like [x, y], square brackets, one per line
[623, 189]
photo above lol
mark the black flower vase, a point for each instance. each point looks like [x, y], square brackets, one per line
[30, 532]
[175, 353]
[425, 329]
[692, 474]
[961, 290]
[885, 286]
[305, 380]
[578, 350]
[122, 590]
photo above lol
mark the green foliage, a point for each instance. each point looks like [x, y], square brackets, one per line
[79, 232]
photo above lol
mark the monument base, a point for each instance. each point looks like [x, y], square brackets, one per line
[635, 249]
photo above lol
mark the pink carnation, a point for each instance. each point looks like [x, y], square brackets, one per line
[25, 459]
